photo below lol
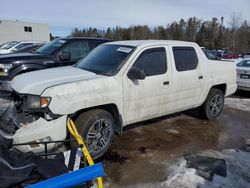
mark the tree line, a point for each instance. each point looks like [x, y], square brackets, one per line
[212, 34]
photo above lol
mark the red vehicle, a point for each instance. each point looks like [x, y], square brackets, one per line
[230, 55]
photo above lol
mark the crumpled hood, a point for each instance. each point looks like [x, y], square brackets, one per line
[37, 81]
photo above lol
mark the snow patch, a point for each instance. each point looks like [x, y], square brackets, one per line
[180, 176]
[238, 174]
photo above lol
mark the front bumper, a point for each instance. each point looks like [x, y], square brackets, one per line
[37, 130]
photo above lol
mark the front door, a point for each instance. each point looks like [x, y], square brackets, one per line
[151, 97]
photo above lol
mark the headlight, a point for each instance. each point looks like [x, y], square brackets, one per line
[4, 69]
[35, 102]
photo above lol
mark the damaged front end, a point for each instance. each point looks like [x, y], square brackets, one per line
[27, 119]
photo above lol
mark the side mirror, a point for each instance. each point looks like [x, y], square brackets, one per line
[136, 74]
[64, 56]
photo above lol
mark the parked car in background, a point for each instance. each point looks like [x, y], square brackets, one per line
[243, 75]
[29, 49]
[7, 43]
[59, 52]
[230, 55]
[12, 47]
[3, 44]
[117, 84]
[209, 54]
[246, 55]
[217, 54]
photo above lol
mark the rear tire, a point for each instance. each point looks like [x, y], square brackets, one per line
[213, 105]
[97, 129]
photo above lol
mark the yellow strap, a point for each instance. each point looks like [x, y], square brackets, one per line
[73, 130]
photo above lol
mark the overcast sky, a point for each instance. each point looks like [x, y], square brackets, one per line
[64, 15]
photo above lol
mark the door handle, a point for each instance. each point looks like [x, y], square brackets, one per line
[166, 83]
[200, 77]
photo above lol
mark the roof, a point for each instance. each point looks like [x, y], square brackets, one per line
[136, 43]
[86, 38]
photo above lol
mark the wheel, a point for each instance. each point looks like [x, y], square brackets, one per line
[213, 105]
[97, 129]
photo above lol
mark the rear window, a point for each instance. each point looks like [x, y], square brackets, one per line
[244, 63]
[185, 58]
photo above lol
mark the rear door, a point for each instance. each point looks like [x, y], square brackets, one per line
[187, 77]
[151, 97]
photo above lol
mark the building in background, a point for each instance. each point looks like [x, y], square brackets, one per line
[18, 30]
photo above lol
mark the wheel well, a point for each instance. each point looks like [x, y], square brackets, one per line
[222, 87]
[112, 109]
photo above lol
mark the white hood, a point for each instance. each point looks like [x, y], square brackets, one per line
[37, 81]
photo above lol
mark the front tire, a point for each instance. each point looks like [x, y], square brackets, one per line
[97, 129]
[213, 105]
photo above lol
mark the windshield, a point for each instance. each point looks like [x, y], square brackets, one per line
[244, 63]
[51, 47]
[105, 59]
[10, 45]
[21, 45]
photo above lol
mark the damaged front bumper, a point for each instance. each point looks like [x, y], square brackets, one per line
[29, 129]
[39, 131]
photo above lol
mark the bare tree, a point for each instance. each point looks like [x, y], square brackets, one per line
[235, 22]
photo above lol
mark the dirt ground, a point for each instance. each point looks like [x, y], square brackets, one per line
[145, 151]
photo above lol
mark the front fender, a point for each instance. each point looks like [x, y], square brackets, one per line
[71, 97]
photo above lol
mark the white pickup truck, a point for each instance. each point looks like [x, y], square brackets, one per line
[117, 84]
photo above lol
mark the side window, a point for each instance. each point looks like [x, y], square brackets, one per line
[152, 61]
[77, 49]
[185, 58]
